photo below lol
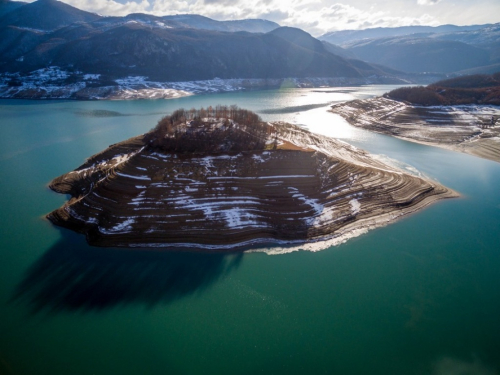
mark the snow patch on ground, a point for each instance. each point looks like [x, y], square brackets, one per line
[49, 83]
[237, 218]
[89, 77]
[132, 80]
[261, 158]
[123, 227]
[355, 206]
[145, 178]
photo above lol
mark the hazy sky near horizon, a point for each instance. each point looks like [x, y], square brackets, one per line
[314, 16]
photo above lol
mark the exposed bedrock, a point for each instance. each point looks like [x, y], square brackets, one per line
[308, 189]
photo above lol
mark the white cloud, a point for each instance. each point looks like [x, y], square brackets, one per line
[427, 2]
[110, 7]
[314, 16]
[341, 17]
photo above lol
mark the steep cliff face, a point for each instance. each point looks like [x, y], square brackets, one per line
[298, 188]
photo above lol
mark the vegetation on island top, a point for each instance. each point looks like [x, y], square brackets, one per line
[219, 129]
[473, 89]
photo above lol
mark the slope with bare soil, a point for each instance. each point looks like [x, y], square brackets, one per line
[261, 183]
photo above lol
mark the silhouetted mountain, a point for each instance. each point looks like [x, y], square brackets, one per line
[348, 36]
[482, 37]
[421, 54]
[145, 19]
[300, 38]
[205, 23]
[46, 15]
[339, 51]
[16, 42]
[48, 33]
[487, 38]
[368, 70]
[250, 25]
[192, 21]
[174, 54]
[306, 41]
[7, 6]
[49, 15]
[442, 49]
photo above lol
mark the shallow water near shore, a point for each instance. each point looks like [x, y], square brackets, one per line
[421, 296]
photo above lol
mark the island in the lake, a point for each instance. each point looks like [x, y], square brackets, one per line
[221, 179]
[460, 114]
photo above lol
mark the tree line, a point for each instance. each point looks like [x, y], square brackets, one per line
[218, 129]
[474, 89]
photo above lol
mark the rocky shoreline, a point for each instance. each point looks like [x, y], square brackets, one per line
[471, 129]
[54, 83]
[302, 189]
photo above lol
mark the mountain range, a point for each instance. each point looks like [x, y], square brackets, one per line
[49, 33]
[48, 15]
[344, 37]
[447, 49]
[171, 48]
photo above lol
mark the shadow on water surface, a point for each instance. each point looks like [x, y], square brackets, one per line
[73, 276]
[293, 109]
[108, 113]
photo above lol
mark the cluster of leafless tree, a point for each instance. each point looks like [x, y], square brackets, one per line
[435, 95]
[417, 95]
[474, 81]
[474, 89]
[212, 130]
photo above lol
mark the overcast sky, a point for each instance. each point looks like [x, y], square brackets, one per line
[315, 16]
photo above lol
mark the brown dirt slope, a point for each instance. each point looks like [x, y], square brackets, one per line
[135, 195]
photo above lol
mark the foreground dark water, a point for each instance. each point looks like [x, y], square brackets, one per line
[421, 296]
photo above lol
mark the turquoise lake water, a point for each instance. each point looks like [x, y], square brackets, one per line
[421, 296]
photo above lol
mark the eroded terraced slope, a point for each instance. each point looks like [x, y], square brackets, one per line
[471, 129]
[299, 188]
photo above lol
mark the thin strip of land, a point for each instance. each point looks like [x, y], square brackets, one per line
[471, 129]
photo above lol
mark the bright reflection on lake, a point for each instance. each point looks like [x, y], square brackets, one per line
[332, 125]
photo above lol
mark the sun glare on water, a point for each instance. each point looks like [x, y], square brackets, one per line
[322, 122]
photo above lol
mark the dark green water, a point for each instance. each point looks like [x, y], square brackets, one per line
[421, 296]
